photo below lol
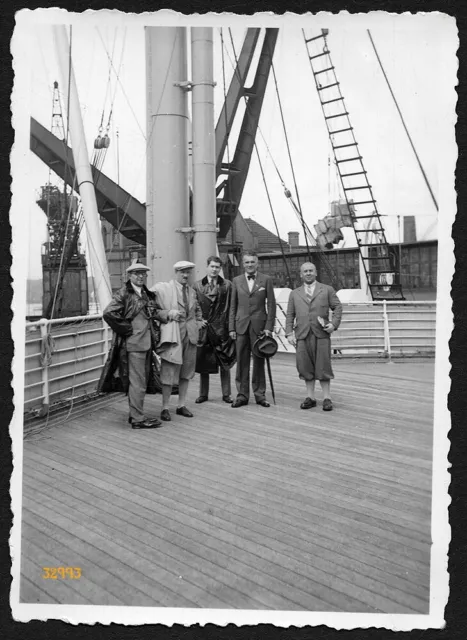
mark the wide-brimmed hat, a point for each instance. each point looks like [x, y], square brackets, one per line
[265, 347]
[136, 265]
[182, 265]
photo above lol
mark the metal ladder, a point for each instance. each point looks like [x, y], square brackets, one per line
[379, 264]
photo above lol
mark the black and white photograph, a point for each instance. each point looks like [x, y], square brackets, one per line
[232, 259]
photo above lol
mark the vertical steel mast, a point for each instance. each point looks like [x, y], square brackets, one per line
[204, 148]
[167, 202]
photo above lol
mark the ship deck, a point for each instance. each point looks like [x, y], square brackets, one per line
[248, 508]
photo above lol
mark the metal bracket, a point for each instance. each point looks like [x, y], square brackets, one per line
[188, 231]
[187, 85]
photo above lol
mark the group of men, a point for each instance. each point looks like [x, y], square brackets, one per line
[205, 328]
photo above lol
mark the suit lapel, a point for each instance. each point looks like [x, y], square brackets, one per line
[302, 294]
[244, 283]
[257, 283]
[318, 288]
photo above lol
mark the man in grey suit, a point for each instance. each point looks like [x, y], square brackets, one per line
[179, 303]
[308, 317]
[252, 311]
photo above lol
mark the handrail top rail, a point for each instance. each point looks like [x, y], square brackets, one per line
[98, 316]
[43, 321]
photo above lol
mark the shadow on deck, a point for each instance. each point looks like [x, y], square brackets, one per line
[248, 508]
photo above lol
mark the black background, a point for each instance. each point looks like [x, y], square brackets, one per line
[456, 611]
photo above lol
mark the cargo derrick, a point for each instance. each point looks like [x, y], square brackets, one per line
[64, 276]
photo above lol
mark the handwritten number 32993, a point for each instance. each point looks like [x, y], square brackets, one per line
[53, 573]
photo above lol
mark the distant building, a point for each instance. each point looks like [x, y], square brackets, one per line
[266, 241]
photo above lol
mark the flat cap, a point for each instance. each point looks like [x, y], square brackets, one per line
[182, 265]
[136, 265]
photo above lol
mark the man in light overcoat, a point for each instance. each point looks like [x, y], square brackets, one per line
[179, 336]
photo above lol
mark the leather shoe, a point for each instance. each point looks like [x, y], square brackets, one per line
[263, 403]
[327, 404]
[165, 415]
[227, 399]
[183, 411]
[153, 420]
[239, 402]
[308, 403]
[201, 399]
[146, 424]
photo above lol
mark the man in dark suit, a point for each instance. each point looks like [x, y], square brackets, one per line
[213, 293]
[308, 317]
[252, 311]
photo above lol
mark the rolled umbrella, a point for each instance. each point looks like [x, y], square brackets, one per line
[270, 380]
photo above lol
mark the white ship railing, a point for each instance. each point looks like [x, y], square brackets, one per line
[64, 357]
[381, 328]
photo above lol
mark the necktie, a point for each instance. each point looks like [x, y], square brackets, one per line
[212, 285]
[185, 296]
[251, 277]
[308, 295]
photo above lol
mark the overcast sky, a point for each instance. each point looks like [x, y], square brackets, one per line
[413, 49]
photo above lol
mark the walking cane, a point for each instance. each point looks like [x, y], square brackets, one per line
[270, 380]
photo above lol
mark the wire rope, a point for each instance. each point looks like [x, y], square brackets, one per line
[147, 140]
[427, 182]
[286, 191]
[264, 179]
[122, 87]
[290, 156]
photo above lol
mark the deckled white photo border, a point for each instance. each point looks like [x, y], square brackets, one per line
[22, 191]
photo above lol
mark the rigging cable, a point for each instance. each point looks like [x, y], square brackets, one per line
[403, 122]
[101, 153]
[121, 85]
[225, 97]
[286, 191]
[65, 172]
[147, 140]
[290, 157]
[265, 183]
[274, 217]
[224, 84]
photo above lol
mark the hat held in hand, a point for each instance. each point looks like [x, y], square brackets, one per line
[265, 346]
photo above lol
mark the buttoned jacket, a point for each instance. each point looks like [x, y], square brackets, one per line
[302, 315]
[256, 307]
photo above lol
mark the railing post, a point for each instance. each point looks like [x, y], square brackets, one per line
[45, 368]
[387, 337]
[106, 339]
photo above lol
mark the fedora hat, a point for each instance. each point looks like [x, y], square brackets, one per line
[265, 347]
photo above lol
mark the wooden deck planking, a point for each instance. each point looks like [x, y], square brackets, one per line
[178, 498]
[296, 498]
[282, 509]
[210, 502]
[264, 476]
[139, 477]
